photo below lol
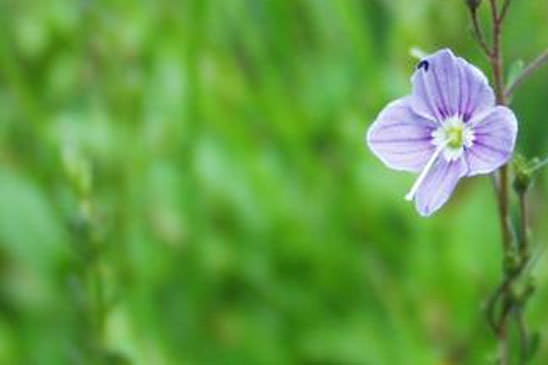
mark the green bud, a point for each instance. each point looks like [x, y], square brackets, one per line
[522, 182]
[523, 173]
[473, 4]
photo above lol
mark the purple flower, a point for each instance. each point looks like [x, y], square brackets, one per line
[448, 128]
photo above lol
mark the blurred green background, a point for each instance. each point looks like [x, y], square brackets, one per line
[186, 182]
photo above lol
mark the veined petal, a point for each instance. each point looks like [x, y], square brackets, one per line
[494, 140]
[439, 184]
[476, 95]
[401, 138]
[445, 86]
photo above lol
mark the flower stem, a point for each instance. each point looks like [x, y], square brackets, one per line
[506, 224]
[540, 164]
[479, 32]
[497, 67]
[506, 301]
[524, 257]
[527, 71]
[524, 237]
[504, 10]
[523, 336]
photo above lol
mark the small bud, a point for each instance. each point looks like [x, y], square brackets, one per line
[473, 4]
[523, 174]
[522, 181]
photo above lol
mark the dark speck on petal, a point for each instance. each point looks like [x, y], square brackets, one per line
[424, 64]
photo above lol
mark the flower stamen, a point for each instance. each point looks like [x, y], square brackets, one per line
[411, 194]
[450, 138]
[455, 135]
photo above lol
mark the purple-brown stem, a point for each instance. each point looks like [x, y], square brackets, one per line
[515, 257]
[498, 77]
[479, 32]
[504, 294]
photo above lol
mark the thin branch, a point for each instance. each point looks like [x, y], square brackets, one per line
[504, 10]
[535, 258]
[492, 303]
[496, 57]
[501, 292]
[524, 241]
[494, 11]
[524, 261]
[502, 334]
[496, 64]
[527, 71]
[479, 32]
[503, 205]
[523, 335]
[539, 165]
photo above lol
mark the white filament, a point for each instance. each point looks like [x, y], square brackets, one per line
[411, 194]
[450, 138]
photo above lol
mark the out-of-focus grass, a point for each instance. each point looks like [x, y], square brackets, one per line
[236, 216]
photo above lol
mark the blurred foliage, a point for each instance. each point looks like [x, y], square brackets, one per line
[185, 182]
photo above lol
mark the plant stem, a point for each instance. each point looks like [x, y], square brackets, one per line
[524, 241]
[527, 71]
[503, 344]
[496, 57]
[504, 216]
[540, 164]
[497, 67]
[505, 302]
[523, 336]
[492, 303]
[479, 32]
[506, 225]
[519, 307]
[504, 10]
[524, 255]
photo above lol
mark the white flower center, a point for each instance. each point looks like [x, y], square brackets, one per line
[454, 135]
[450, 139]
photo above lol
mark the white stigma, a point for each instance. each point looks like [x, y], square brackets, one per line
[450, 138]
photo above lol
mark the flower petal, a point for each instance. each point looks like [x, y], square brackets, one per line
[476, 95]
[438, 185]
[494, 140]
[445, 85]
[400, 138]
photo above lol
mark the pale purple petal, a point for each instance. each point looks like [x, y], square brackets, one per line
[401, 138]
[476, 95]
[494, 140]
[445, 85]
[438, 185]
